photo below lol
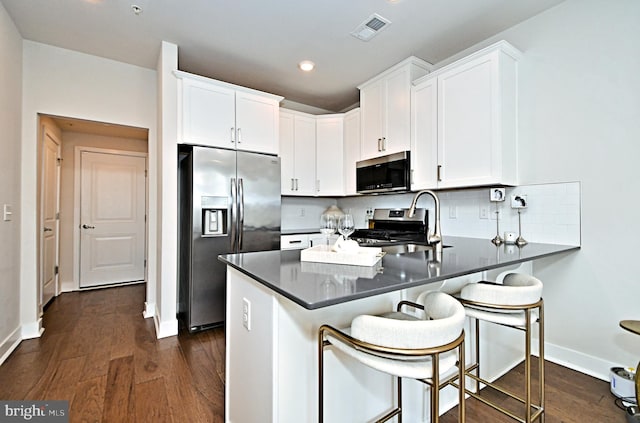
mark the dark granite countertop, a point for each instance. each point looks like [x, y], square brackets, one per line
[316, 285]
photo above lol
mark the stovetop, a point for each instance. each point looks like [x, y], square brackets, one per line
[393, 226]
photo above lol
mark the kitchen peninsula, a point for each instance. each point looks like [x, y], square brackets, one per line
[275, 304]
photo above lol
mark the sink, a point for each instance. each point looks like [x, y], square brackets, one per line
[408, 248]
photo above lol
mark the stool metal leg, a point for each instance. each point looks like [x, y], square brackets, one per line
[541, 358]
[321, 344]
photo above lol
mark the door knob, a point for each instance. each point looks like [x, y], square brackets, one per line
[88, 227]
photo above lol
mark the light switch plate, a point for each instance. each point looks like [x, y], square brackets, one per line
[7, 212]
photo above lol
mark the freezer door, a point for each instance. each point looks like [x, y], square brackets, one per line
[258, 202]
[213, 170]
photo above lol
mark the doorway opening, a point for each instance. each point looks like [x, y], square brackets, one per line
[113, 160]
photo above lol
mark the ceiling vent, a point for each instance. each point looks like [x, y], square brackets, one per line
[370, 27]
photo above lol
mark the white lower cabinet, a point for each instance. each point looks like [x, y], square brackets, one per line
[464, 122]
[294, 242]
[302, 241]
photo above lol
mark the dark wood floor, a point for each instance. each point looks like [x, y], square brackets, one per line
[101, 355]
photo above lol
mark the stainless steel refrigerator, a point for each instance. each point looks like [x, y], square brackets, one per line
[229, 202]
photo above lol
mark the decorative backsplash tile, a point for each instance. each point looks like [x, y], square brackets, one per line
[552, 213]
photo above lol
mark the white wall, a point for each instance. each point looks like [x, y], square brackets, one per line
[10, 117]
[579, 110]
[67, 83]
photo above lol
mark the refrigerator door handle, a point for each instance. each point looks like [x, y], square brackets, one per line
[234, 201]
[240, 212]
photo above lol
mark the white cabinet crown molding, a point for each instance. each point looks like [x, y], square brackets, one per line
[428, 67]
[502, 46]
[186, 75]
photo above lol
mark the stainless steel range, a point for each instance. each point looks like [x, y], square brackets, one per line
[394, 226]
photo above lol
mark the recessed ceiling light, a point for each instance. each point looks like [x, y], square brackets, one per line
[306, 65]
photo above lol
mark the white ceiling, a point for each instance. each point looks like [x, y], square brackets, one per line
[258, 43]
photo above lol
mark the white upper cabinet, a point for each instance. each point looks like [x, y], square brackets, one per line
[329, 154]
[464, 122]
[385, 109]
[297, 153]
[351, 149]
[217, 114]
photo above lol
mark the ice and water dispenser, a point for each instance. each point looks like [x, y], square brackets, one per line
[214, 216]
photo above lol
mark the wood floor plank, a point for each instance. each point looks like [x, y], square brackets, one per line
[155, 407]
[119, 402]
[64, 380]
[88, 401]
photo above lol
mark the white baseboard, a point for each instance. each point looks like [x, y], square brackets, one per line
[68, 286]
[32, 330]
[165, 328]
[149, 310]
[580, 362]
[9, 344]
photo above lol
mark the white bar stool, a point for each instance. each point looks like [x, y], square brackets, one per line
[405, 346]
[516, 303]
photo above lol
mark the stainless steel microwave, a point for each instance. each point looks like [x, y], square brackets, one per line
[384, 174]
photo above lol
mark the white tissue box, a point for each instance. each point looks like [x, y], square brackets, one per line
[363, 256]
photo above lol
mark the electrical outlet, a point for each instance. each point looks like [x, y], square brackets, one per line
[484, 212]
[246, 314]
[453, 212]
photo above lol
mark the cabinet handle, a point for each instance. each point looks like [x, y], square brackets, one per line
[233, 135]
[384, 144]
[239, 136]
[292, 185]
[439, 173]
[317, 185]
[296, 241]
[296, 184]
[379, 148]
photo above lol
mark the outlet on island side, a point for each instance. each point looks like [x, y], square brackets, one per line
[246, 314]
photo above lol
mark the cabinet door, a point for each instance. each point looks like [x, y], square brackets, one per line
[424, 135]
[208, 114]
[256, 123]
[287, 148]
[329, 158]
[294, 242]
[305, 155]
[397, 112]
[351, 150]
[467, 128]
[372, 119]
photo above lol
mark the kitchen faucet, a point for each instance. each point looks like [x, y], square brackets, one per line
[436, 237]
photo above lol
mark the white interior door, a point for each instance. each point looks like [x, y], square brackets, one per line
[49, 224]
[112, 218]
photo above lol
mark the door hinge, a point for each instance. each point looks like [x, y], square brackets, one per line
[145, 173]
[145, 262]
[55, 270]
[58, 216]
